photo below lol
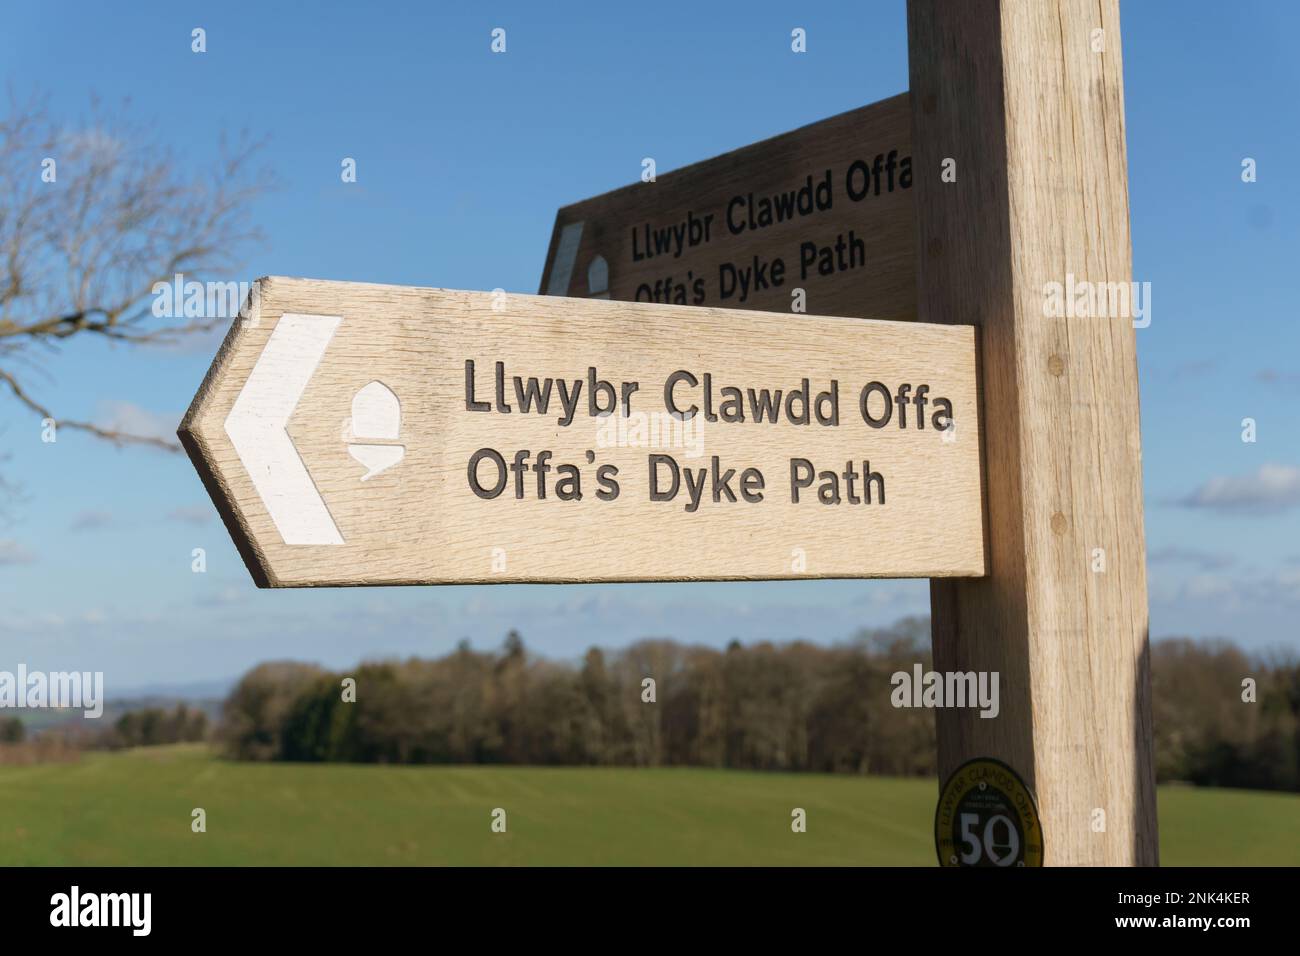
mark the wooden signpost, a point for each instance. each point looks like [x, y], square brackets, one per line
[355, 434]
[1015, 147]
[360, 434]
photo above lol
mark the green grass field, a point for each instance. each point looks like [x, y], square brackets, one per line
[134, 808]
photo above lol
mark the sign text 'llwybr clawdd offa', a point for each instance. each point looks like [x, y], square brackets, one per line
[826, 208]
[364, 434]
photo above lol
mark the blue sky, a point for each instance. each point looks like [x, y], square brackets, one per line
[463, 158]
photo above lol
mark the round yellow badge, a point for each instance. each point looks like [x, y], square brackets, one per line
[987, 817]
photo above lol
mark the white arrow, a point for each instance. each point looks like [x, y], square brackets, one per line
[258, 421]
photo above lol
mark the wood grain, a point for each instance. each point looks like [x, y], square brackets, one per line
[1013, 90]
[420, 522]
[876, 209]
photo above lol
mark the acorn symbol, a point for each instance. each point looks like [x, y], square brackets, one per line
[377, 422]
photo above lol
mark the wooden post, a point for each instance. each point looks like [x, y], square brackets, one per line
[1026, 96]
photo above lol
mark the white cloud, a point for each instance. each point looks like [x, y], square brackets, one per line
[12, 552]
[1274, 589]
[904, 597]
[1210, 587]
[91, 521]
[92, 144]
[1286, 584]
[203, 342]
[224, 597]
[1205, 560]
[1272, 376]
[1271, 489]
[191, 514]
[132, 419]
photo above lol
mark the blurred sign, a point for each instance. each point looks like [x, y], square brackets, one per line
[818, 220]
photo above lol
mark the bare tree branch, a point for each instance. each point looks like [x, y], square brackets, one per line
[118, 438]
[95, 215]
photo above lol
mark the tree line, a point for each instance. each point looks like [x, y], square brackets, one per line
[793, 707]
[153, 726]
[139, 727]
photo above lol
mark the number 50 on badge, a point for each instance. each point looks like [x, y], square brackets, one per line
[987, 817]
